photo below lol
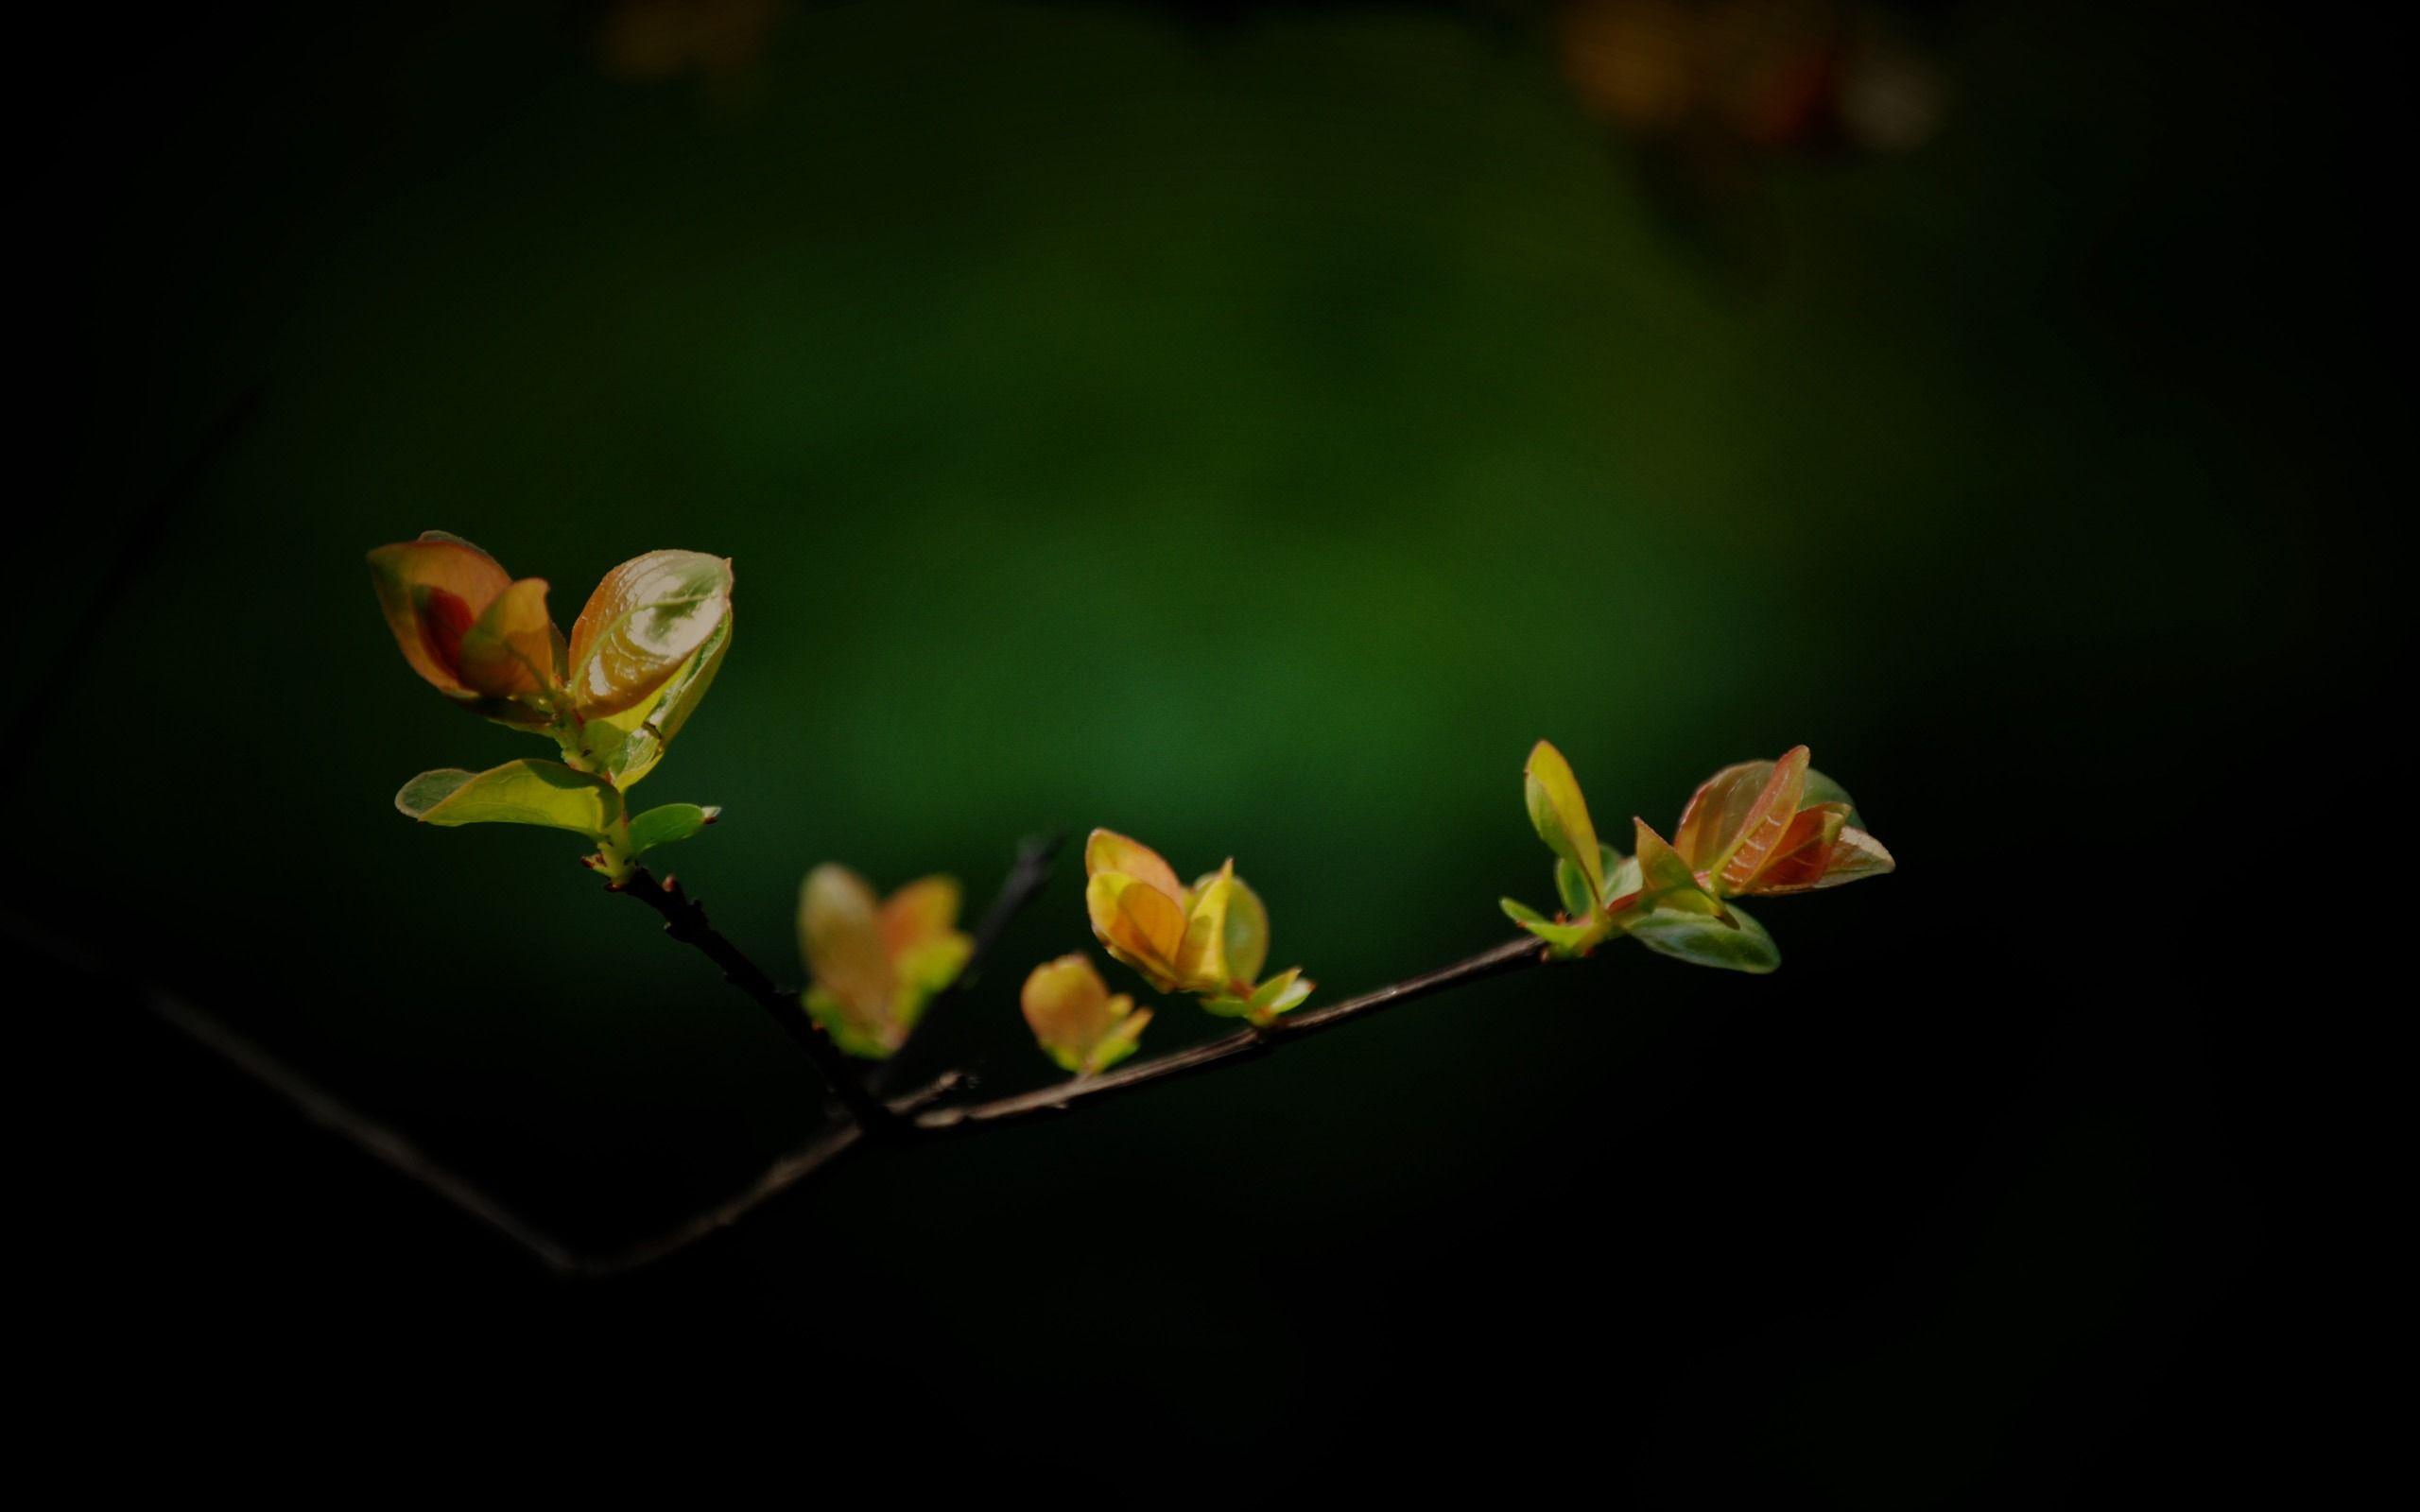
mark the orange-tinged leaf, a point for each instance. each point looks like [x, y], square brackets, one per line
[1108, 851]
[923, 910]
[432, 591]
[644, 623]
[840, 938]
[1141, 926]
[1767, 820]
[1716, 811]
[1858, 855]
[1075, 1018]
[1798, 861]
[1560, 814]
[511, 647]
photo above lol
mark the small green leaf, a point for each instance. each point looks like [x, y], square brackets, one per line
[665, 825]
[1573, 886]
[1740, 946]
[1567, 942]
[523, 792]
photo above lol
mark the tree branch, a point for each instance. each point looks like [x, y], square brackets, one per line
[684, 919]
[1244, 1044]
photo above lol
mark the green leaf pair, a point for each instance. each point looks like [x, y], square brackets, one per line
[554, 796]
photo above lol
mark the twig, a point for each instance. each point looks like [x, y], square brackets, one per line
[307, 1097]
[684, 919]
[1028, 875]
[782, 1175]
[38, 709]
[1243, 1044]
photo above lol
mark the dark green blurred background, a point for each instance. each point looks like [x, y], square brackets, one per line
[1248, 429]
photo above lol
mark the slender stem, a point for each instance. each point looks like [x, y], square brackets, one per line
[684, 919]
[1243, 1044]
[828, 1147]
[1028, 875]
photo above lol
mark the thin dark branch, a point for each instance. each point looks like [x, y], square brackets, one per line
[1028, 875]
[38, 709]
[1243, 1044]
[782, 1175]
[684, 919]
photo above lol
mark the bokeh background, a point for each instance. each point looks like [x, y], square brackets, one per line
[1249, 427]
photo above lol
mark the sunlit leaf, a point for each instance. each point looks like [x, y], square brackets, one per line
[510, 648]
[1717, 810]
[522, 792]
[1858, 855]
[1108, 851]
[1798, 863]
[667, 824]
[1560, 814]
[1076, 1020]
[840, 938]
[1767, 820]
[646, 621]
[627, 744]
[858, 1034]
[1247, 930]
[1740, 945]
[1139, 924]
[432, 591]
[923, 910]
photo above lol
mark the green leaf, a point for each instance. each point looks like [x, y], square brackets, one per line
[1567, 942]
[1573, 888]
[665, 825]
[1559, 814]
[523, 792]
[1740, 946]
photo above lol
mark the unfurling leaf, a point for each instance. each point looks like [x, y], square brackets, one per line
[876, 964]
[1775, 827]
[1076, 1020]
[1210, 940]
[522, 792]
[647, 621]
